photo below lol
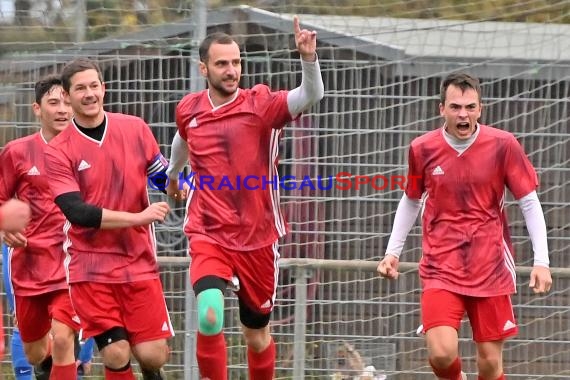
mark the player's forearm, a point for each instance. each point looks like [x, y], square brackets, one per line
[119, 219]
[405, 218]
[77, 211]
[310, 91]
[84, 214]
[536, 226]
[178, 156]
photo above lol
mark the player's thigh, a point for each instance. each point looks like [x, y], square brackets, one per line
[61, 310]
[144, 311]
[442, 312]
[257, 271]
[441, 308]
[492, 318]
[209, 260]
[32, 317]
[97, 307]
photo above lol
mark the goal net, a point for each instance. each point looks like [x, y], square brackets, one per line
[344, 160]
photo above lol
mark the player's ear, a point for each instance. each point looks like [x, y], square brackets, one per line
[37, 109]
[203, 69]
[441, 108]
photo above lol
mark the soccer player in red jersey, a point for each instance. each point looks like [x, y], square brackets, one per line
[234, 219]
[14, 215]
[98, 170]
[45, 315]
[467, 263]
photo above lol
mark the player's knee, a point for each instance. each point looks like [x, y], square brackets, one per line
[35, 353]
[488, 365]
[210, 311]
[441, 360]
[114, 347]
[152, 362]
[117, 354]
[257, 339]
[152, 355]
[63, 344]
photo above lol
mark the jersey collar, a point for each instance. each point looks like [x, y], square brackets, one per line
[214, 108]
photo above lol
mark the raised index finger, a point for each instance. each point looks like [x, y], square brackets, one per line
[296, 27]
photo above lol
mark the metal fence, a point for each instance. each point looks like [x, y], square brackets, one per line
[377, 318]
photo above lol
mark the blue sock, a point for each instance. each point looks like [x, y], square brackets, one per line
[22, 369]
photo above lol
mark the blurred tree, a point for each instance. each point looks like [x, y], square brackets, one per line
[55, 20]
[22, 8]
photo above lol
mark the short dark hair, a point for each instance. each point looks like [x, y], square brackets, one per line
[462, 80]
[44, 85]
[76, 66]
[214, 38]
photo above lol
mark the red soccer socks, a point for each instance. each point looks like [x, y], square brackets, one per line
[453, 372]
[212, 357]
[63, 372]
[262, 364]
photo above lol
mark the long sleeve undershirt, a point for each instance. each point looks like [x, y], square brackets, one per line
[408, 210]
[309, 92]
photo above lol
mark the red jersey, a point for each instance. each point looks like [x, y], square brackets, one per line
[466, 241]
[233, 153]
[38, 267]
[111, 174]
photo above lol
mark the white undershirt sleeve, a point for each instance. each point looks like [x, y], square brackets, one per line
[536, 226]
[178, 156]
[405, 218]
[309, 92]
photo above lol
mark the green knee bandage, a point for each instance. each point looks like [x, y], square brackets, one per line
[210, 311]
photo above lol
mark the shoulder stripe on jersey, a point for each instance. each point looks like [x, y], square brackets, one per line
[152, 235]
[9, 252]
[66, 245]
[188, 200]
[276, 255]
[508, 255]
[274, 190]
[424, 199]
[510, 262]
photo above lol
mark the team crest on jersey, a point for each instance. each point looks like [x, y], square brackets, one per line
[193, 123]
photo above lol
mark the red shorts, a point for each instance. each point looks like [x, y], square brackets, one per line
[256, 270]
[34, 314]
[491, 318]
[137, 306]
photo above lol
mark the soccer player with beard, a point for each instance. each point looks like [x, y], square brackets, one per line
[229, 134]
[468, 263]
[46, 319]
[98, 171]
